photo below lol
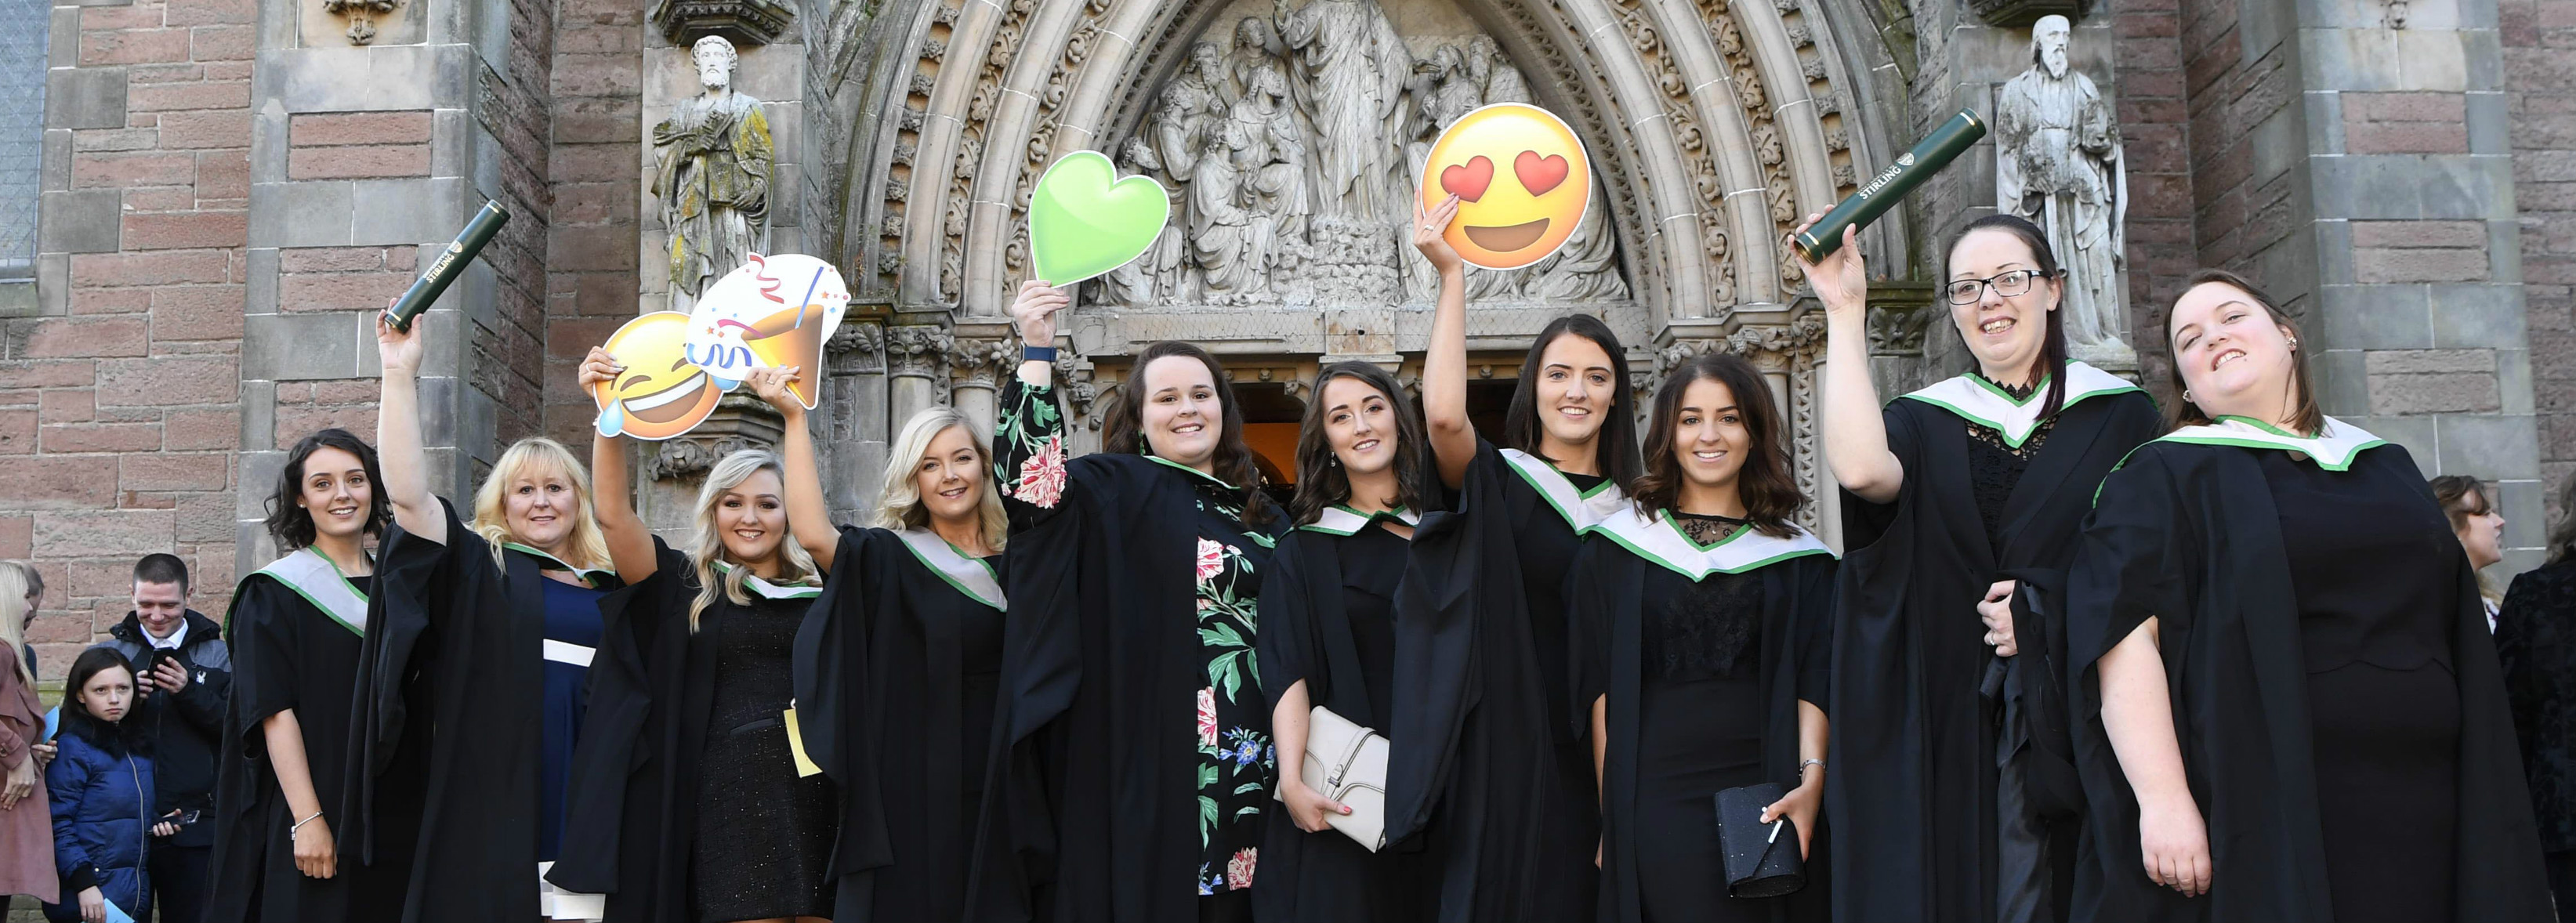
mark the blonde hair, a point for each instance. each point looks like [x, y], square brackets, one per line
[13, 617]
[795, 565]
[899, 504]
[585, 546]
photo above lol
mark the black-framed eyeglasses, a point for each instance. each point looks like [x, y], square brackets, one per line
[2007, 284]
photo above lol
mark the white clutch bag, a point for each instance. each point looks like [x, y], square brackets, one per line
[1347, 763]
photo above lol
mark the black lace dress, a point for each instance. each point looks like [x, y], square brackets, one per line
[1699, 730]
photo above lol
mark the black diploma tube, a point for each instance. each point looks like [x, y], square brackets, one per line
[1875, 197]
[449, 264]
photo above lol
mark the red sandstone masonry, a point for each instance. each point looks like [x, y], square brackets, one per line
[2539, 39]
[2156, 134]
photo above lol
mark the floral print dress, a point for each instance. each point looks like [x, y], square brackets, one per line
[1237, 762]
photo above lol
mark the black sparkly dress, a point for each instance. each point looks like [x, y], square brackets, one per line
[764, 834]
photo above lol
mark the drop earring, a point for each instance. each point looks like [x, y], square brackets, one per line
[2186, 396]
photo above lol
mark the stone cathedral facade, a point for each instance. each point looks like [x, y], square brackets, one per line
[225, 191]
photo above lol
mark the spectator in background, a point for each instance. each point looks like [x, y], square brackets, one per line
[26, 829]
[101, 794]
[2479, 525]
[35, 600]
[2536, 643]
[183, 676]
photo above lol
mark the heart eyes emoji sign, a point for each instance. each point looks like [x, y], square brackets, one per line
[1521, 178]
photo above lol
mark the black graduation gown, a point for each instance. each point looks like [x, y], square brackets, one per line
[1605, 596]
[287, 654]
[895, 682]
[2189, 534]
[1913, 789]
[446, 729]
[1474, 757]
[632, 807]
[1307, 634]
[1091, 811]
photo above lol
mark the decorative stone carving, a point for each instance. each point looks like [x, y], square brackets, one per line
[916, 351]
[2058, 163]
[2018, 13]
[982, 363]
[715, 158]
[743, 22]
[362, 16]
[1897, 331]
[1290, 144]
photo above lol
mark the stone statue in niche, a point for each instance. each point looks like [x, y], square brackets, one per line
[712, 177]
[2058, 163]
[1321, 118]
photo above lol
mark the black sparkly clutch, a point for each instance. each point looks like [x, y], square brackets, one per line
[1761, 859]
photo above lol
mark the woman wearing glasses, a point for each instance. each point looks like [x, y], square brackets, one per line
[1952, 784]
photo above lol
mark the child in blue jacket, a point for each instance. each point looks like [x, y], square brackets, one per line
[101, 796]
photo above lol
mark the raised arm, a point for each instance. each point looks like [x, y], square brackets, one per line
[1028, 426]
[1444, 364]
[2137, 714]
[1855, 434]
[404, 466]
[807, 517]
[630, 545]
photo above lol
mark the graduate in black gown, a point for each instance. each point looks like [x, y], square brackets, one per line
[1328, 641]
[1702, 621]
[687, 802]
[898, 664]
[1136, 589]
[471, 682]
[1955, 797]
[1488, 760]
[295, 627]
[2286, 702]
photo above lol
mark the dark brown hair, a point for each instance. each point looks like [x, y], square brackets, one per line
[1615, 449]
[292, 525]
[2461, 497]
[2304, 417]
[1766, 484]
[1234, 460]
[2052, 352]
[1321, 482]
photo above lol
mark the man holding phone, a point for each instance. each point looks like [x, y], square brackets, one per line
[183, 676]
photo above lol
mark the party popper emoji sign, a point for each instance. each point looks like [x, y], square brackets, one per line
[1084, 220]
[1521, 177]
[660, 393]
[773, 311]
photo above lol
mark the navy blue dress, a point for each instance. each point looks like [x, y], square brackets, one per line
[572, 618]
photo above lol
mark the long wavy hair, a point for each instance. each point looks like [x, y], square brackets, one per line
[1766, 483]
[13, 619]
[1235, 462]
[899, 501]
[2052, 351]
[584, 547]
[2305, 416]
[290, 524]
[1322, 481]
[1615, 448]
[795, 565]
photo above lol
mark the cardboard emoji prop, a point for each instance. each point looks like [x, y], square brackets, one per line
[1522, 180]
[661, 394]
[773, 311]
[1085, 221]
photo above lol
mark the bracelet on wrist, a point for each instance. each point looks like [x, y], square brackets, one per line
[1037, 353]
[299, 825]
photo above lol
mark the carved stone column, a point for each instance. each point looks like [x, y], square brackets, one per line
[852, 432]
[914, 360]
[975, 368]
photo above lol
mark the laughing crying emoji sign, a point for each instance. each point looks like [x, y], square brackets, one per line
[1521, 178]
[660, 394]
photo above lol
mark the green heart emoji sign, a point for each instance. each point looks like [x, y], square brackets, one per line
[1084, 221]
